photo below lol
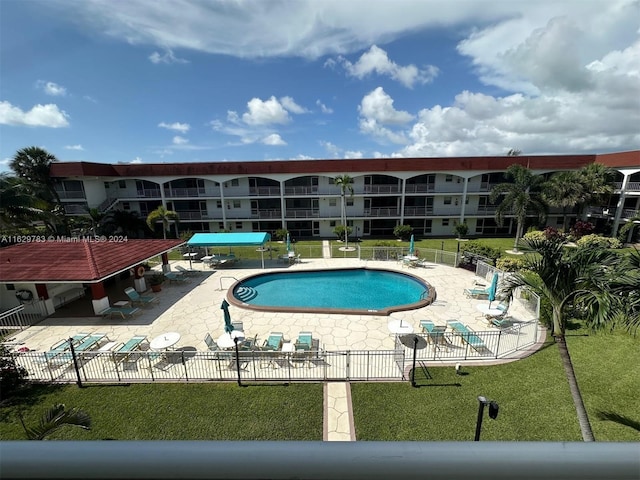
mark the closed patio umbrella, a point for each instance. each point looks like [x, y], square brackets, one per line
[493, 288]
[411, 246]
[227, 317]
[288, 243]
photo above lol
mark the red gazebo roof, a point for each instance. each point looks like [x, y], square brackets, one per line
[82, 261]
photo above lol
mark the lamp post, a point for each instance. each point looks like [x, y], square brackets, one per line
[493, 413]
[235, 341]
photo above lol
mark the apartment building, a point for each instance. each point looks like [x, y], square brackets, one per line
[430, 194]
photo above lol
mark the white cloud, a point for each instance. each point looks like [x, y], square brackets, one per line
[377, 112]
[290, 104]
[265, 112]
[39, 116]
[332, 150]
[323, 107]
[376, 60]
[51, 88]
[167, 57]
[177, 126]
[74, 147]
[274, 139]
[353, 154]
[136, 160]
[178, 140]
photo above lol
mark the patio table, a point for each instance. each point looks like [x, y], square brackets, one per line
[400, 327]
[226, 340]
[164, 341]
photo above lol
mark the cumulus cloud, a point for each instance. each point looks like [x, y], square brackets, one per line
[51, 88]
[136, 160]
[177, 126]
[323, 107]
[290, 104]
[178, 140]
[39, 116]
[265, 112]
[377, 114]
[375, 60]
[74, 147]
[167, 58]
[274, 140]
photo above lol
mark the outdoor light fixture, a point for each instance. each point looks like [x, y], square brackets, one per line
[493, 413]
[458, 367]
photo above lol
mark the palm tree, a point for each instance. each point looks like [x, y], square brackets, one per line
[521, 195]
[345, 182]
[33, 164]
[18, 208]
[165, 216]
[565, 191]
[122, 222]
[55, 418]
[597, 183]
[571, 280]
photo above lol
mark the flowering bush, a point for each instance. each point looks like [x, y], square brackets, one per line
[534, 235]
[580, 229]
[509, 264]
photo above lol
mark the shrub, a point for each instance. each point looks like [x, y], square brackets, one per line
[339, 231]
[461, 229]
[535, 235]
[12, 376]
[551, 233]
[403, 232]
[474, 249]
[594, 240]
[580, 229]
[510, 264]
[156, 279]
[280, 234]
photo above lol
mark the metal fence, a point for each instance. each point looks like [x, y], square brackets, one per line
[19, 318]
[187, 365]
[442, 257]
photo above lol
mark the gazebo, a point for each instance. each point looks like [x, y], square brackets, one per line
[258, 239]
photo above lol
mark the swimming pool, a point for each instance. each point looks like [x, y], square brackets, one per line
[351, 290]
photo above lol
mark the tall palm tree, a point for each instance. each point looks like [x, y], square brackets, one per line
[597, 184]
[563, 190]
[122, 222]
[33, 164]
[520, 196]
[165, 216]
[570, 280]
[345, 182]
[55, 418]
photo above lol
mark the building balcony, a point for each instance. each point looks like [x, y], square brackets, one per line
[420, 188]
[264, 191]
[66, 195]
[301, 190]
[378, 189]
[190, 192]
[193, 215]
[418, 211]
[301, 213]
[267, 213]
[381, 212]
[76, 209]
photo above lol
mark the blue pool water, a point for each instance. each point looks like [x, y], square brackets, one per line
[364, 290]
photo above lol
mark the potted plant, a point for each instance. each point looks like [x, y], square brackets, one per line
[155, 281]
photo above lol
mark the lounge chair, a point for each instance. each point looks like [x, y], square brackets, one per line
[186, 271]
[467, 335]
[427, 326]
[175, 277]
[137, 299]
[274, 342]
[476, 292]
[305, 341]
[62, 346]
[249, 344]
[124, 312]
[124, 352]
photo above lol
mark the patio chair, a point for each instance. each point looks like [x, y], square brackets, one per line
[238, 326]
[476, 292]
[62, 346]
[427, 326]
[304, 341]
[467, 335]
[137, 299]
[175, 278]
[249, 344]
[126, 350]
[124, 312]
[274, 342]
[211, 343]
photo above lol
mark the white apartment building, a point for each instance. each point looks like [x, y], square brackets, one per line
[430, 194]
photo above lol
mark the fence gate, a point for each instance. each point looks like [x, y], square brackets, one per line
[398, 355]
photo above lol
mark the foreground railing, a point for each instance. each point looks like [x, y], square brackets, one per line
[314, 460]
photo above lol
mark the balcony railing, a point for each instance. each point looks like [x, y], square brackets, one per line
[378, 189]
[381, 212]
[193, 215]
[632, 187]
[264, 191]
[76, 209]
[269, 213]
[417, 211]
[301, 190]
[301, 213]
[65, 195]
[189, 192]
[420, 188]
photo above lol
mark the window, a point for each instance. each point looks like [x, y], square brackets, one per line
[333, 202]
[237, 204]
[448, 178]
[220, 225]
[106, 184]
[316, 228]
[349, 202]
[126, 206]
[427, 226]
[445, 222]
[218, 203]
[235, 182]
[332, 223]
[238, 225]
[122, 184]
[447, 200]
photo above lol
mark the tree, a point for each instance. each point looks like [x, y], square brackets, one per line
[12, 376]
[597, 184]
[563, 190]
[122, 222]
[514, 152]
[570, 281]
[345, 182]
[520, 196]
[18, 208]
[33, 165]
[55, 418]
[165, 216]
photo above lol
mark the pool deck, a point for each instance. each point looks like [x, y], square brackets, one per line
[193, 309]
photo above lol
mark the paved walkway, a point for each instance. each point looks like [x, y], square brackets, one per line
[326, 249]
[338, 413]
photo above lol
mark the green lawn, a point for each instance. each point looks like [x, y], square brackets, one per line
[533, 395]
[178, 412]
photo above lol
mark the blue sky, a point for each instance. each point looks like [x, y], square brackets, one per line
[191, 81]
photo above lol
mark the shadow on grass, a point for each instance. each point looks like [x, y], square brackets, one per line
[619, 419]
[423, 376]
[29, 395]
